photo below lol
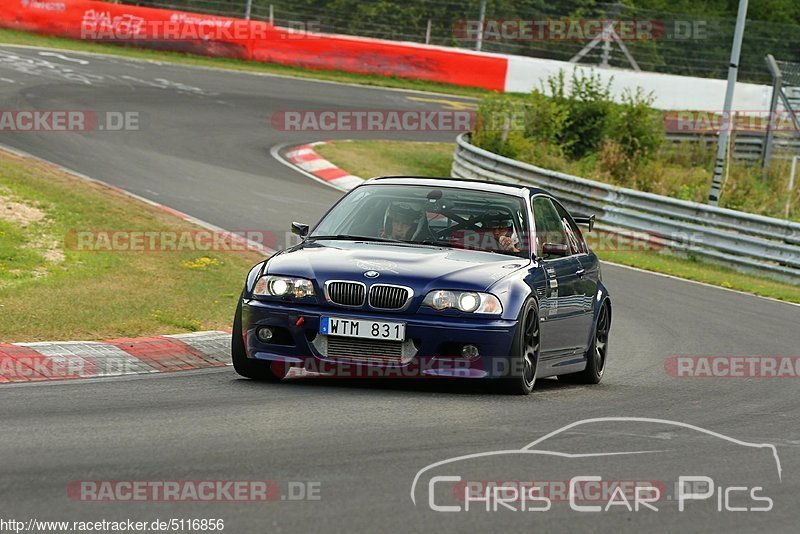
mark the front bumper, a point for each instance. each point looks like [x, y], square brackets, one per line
[433, 342]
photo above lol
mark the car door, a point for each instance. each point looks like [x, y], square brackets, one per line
[587, 274]
[562, 313]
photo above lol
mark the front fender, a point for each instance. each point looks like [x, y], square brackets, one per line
[252, 277]
[513, 292]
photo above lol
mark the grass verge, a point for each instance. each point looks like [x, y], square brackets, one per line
[32, 39]
[388, 158]
[55, 287]
[373, 158]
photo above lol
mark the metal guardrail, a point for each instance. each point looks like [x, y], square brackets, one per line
[746, 146]
[747, 242]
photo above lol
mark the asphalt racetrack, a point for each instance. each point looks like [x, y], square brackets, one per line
[204, 148]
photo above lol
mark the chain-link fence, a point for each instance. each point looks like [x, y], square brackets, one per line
[677, 43]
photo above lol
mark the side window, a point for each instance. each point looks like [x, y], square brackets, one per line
[549, 228]
[574, 236]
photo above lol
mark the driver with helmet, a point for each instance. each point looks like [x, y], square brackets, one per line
[400, 222]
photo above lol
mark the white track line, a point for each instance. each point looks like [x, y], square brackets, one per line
[223, 69]
[673, 277]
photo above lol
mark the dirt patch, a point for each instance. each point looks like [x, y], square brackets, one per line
[54, 254]
[23, 215]
[18, 213]
[48, 248]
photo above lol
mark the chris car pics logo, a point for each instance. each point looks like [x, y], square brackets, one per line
[633, 464]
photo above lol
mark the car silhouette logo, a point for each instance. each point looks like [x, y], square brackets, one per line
[372, 274]
[543, 447]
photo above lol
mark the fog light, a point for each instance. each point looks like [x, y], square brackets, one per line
[264, 334]
[470, 352]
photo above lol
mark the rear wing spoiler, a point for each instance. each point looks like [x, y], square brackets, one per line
[585, 219]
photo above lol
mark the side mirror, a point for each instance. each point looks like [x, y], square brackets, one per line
[300, 229]
[585, 219]
[555, 249]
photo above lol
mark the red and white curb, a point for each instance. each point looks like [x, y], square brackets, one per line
[305, 158]
[57, 360]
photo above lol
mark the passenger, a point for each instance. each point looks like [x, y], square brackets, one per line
[502, 227]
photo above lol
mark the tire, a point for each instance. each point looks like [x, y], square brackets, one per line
[524, 356]
[596, 355]
[244, 366]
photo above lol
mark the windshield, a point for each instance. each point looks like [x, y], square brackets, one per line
[425, 215]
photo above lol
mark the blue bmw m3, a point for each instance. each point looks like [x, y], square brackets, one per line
[430, 277]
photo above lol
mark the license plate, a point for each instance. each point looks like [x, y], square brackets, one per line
[387, 331]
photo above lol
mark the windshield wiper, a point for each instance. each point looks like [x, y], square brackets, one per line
[445, 244]
[432, 243]
[345, 237]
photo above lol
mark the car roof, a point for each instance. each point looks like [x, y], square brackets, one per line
[474, 185]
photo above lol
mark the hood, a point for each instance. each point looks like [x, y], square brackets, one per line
[421, 268]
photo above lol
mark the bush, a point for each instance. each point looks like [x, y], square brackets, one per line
[636, 126]
[545, 119]
[589, 108]
[577, 119]
[576, 128]
[493, 123]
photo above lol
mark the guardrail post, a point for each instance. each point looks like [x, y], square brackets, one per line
[482, 21]
[733, 71]
[777, 81]
[790, 188]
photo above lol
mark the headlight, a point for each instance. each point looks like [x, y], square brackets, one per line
[469, 302]
[465, 301]
[283, 286]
